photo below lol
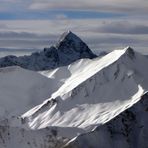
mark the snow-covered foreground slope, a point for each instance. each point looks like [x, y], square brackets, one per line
[21, 89]
[94, 95]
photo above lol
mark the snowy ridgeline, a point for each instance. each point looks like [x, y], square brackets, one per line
[99, 102]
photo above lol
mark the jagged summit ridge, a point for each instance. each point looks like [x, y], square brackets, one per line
[69, 43]
[130, 52]
[127, 52]
[68, 49]
[68, 35]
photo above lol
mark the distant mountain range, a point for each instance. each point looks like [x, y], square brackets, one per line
[67, 50]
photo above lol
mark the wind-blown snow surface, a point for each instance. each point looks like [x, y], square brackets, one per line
[85, 96]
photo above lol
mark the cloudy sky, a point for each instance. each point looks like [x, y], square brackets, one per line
[104, 25]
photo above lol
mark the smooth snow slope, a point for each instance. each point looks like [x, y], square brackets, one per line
[95, 94]
[61, 74]
[21, 89]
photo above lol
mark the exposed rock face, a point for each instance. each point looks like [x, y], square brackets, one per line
[13, 137]
[69, 49]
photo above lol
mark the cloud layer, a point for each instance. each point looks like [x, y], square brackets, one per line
[101, 34]
[104, 25]
[126, 6]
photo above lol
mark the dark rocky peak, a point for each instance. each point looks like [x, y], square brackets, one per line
[50, 52]
[8, 61]
[69, 38]
[69, 49]
[130, 52]
[69, 43]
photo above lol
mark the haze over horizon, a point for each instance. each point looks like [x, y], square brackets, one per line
[104, 25]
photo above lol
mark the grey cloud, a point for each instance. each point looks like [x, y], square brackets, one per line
[22, 44]
[123, 28]
[92, 31]
[126, 6]
[111, 42]
[3, 26]
[115, 40]
[25, 40]
[24, 35]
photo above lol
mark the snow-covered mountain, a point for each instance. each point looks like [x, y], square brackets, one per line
[92, 102]
[68, 49]
[86, 91]
[97, 94]
[128, 129]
